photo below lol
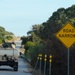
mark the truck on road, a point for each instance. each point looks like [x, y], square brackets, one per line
[9, 56]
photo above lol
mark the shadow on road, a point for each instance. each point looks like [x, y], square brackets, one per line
[3, 69]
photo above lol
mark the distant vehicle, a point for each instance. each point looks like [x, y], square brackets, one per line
[9, 55]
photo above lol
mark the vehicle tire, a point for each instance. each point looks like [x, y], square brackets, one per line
[15, 68]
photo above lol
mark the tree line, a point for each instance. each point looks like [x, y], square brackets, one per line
[5, 35]
[42, 39]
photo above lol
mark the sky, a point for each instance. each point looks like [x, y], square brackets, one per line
[18, 16]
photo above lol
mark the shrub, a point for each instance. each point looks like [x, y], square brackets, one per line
[9, 37]
[33, 52]
[0, 41]
[29, 44]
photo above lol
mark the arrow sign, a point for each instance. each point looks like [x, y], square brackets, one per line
[66, 35]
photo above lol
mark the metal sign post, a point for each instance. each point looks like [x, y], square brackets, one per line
[50, 64]
[67, 36]
[68, 63]
[45, 59]
[36, 63]
[40, 58]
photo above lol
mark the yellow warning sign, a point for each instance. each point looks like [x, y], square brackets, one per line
[66, 35]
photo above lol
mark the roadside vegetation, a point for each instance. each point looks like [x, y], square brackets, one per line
[42, 39]
[5, 35]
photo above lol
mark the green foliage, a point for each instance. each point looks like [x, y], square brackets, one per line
[4, 34]
[25, 39]
[29, 44]
[2, 29]
[33, 51]
[54, 24]
[46, 31]
[35, 38]
[9, 37]
[1, 41]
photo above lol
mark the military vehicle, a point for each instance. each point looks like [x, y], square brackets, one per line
[9, 55]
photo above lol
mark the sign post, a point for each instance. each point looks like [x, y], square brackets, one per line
[45, 59]
[40, 58]
[50, 61]
[67, 36]
[68, 63]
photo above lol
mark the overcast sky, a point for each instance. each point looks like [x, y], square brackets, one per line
[18, 16]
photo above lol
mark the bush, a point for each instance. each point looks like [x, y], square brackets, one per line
[0, 41]
[9, 37]
[30, 44]
[33, 52]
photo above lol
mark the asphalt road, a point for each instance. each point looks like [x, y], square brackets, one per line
[23, 69]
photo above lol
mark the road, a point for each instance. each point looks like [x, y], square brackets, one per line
[24, 68]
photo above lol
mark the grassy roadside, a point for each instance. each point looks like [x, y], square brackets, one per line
[35, 72]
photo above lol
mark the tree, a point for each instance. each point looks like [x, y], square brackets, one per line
[53, 45]
[9, 37]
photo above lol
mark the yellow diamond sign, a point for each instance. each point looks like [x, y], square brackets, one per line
[66, 35]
